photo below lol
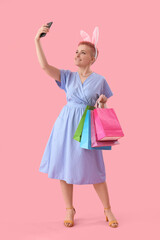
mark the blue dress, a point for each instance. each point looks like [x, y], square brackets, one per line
[63, 158]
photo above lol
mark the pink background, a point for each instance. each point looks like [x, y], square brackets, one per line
[31, 204]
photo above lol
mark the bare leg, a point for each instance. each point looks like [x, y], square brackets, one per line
[67, 190]
[102, 191]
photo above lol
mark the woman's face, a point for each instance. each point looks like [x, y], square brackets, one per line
[83, 56]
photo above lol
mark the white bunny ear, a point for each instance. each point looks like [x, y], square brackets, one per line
[95, 36]
[85, 36]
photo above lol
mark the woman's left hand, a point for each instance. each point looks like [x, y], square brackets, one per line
[102, 99]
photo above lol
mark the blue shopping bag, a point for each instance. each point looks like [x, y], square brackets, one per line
[86, 134]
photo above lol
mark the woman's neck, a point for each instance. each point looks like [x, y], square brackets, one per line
[84, 72]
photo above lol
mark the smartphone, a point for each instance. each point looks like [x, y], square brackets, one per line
[49, 25]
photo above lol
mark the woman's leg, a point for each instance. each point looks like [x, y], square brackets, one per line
[67, 190]
[102, 191]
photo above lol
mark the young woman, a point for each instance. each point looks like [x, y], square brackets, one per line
[63, 157]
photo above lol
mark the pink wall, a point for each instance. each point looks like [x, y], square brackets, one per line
[32, 206]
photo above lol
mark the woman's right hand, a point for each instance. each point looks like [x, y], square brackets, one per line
[43, 29]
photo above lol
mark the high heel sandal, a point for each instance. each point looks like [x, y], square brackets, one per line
[111, 223]
[71, 223]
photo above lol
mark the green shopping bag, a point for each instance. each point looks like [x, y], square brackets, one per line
[78, 132]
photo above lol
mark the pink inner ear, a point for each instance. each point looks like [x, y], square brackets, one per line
[85, 36]
[95, 36]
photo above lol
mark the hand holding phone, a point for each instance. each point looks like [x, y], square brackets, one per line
[44, 34]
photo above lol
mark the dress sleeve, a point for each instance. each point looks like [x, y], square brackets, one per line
[106, 89]
[64, 79]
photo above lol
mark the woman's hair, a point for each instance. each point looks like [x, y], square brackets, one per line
[92, 46]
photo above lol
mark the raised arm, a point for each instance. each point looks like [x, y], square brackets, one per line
[53, 72]
[50, 70]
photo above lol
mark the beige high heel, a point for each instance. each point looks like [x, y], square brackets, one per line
[71, 223]
[112, 223]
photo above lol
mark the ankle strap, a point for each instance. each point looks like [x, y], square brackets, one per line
[70, 208]
[108, 207]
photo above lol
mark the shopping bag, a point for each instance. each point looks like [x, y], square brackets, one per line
[78, 132]
[86, 135]
[94, 142]
[107, 125]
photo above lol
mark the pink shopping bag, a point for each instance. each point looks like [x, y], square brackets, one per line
[94, 142]
[107, 125]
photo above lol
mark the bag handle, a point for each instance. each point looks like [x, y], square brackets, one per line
[99, 105]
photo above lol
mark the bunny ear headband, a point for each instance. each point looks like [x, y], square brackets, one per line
[95, 36]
